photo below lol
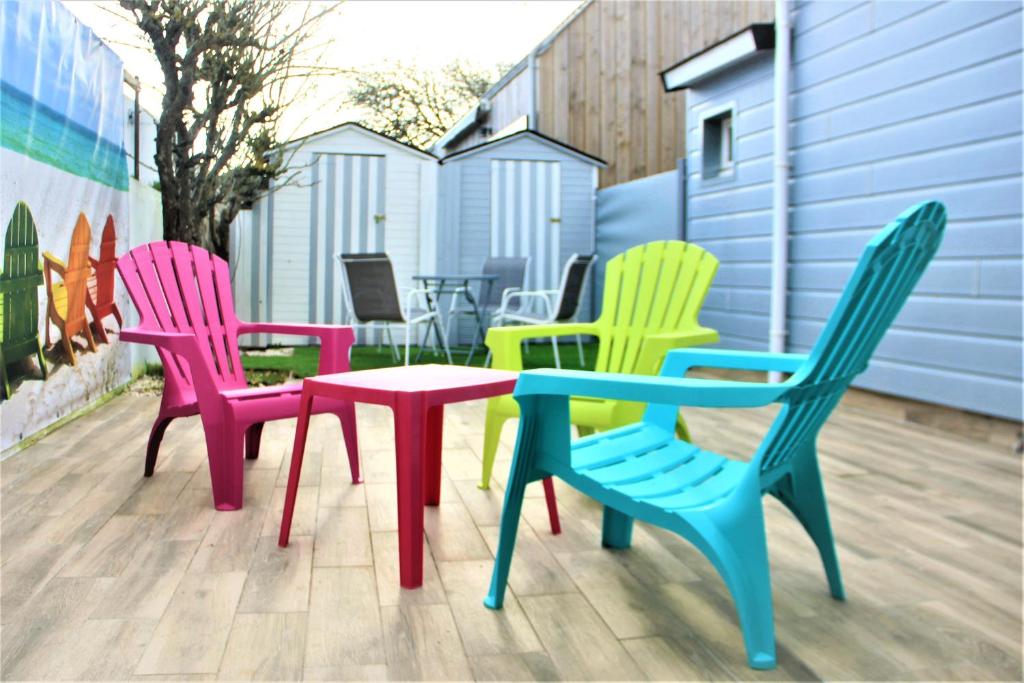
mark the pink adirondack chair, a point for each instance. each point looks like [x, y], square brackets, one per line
[183, 295]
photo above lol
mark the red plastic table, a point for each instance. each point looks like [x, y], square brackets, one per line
[417, 395]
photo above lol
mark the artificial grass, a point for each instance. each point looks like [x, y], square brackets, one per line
[263, 368]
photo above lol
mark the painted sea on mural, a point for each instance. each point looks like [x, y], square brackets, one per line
[33, 129]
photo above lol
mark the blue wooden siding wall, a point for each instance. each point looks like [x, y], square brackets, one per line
[892, 103]
[464, 221]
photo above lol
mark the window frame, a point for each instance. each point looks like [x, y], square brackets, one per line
[725, 143]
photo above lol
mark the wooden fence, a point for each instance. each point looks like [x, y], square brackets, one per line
[599, 81]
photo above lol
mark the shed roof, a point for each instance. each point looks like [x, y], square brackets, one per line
[539, 137]
[720, 56]
[365, 131]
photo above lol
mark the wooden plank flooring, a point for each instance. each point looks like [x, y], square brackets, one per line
[106, 575]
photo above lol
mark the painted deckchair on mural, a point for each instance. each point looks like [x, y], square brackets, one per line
[100, 286]
[652, 295]
[19, 295]
[186, 310]
[66, 297]
[642, 471]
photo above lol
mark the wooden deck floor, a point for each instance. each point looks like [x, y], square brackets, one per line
[109, 576]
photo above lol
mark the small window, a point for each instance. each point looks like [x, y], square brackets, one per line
[718, 144]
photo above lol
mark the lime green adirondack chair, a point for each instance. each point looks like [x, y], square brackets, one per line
[19, 295]
[652, 295]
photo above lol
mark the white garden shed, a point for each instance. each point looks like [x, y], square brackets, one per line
[524, 194]
[348, 189]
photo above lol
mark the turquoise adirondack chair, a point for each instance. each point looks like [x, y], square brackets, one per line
[642, 471]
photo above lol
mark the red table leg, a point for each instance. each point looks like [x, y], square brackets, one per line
[410, 416]
[432, 455]
[298, 450]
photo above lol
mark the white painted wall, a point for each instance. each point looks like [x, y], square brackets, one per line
[410, 226]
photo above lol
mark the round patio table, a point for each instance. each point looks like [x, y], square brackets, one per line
[455, 284]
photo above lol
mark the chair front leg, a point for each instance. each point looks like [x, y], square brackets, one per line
[519, 476]
[224, 445]
[408, 339]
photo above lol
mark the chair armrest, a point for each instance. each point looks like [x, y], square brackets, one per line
[302, 329]
[335, 341]
[507, 293]
[680, 361]
[645, 389]
[655, 346]
[51, 262]
[178, 343]
[411, 294]
[505, 342]
[528, 294]
[185, 345]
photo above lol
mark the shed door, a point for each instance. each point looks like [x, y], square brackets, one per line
[347, 216]
[526, 214]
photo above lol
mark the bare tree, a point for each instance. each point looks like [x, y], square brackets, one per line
[414, 105]
[230, 68]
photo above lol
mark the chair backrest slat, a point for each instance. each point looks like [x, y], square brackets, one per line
[370, 287]
[76, 275]
[182, 288]
[105, 264]
[206, 314]
[652, 288]
[891, 265]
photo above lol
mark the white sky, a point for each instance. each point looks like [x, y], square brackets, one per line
[368, 34]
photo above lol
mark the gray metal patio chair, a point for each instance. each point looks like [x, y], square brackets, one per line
[511, 273]
[560, 305]
[372, 299]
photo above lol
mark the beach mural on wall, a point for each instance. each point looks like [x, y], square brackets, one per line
[64, 208]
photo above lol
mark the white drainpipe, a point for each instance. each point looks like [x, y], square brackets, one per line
[780, 182]
[531, 114]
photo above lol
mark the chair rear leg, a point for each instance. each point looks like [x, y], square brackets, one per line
[117, 317]
[391, 342]
[492, 434]
[87, 330]
[616, 529]
[554, 347]
[69, 348]
[579, 348]
[804, 495]
[156, 435]
[347, 416]
[42, 361]
[252, 440]
[101, 332]
[444, 340]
